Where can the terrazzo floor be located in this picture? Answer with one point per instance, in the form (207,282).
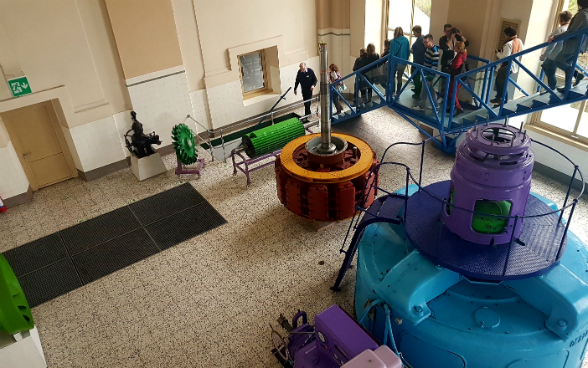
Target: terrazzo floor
(207,302)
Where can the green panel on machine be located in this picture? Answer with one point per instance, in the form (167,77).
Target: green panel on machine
(488,224)
(15,314)
(272,138)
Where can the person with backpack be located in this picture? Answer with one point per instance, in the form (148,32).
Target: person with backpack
(458,66)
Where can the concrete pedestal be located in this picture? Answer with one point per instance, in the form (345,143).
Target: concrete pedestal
(22,350)
(147,167)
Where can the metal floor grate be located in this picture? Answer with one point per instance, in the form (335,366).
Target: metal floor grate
(64,261)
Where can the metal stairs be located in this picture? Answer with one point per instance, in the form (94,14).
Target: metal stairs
(436,107)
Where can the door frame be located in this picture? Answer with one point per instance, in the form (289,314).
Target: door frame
(6,117)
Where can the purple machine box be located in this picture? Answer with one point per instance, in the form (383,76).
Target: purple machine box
(336,340)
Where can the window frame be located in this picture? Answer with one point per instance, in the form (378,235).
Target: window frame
(387,28)
(256,92)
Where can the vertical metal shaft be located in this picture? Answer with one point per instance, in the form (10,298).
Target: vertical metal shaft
(325,100)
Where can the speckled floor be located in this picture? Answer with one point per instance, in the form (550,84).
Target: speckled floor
(207,302)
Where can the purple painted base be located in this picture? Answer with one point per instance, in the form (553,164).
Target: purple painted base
(181,170)
(247,162)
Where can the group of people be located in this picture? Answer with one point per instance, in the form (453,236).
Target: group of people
(450,56)
(561,55)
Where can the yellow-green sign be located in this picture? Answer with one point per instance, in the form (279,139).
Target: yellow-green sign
(19,86)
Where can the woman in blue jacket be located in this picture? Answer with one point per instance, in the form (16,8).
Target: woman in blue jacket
(400,48)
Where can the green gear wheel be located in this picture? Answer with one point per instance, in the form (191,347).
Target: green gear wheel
(184,144)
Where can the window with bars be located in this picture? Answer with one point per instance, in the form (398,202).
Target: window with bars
(253,73)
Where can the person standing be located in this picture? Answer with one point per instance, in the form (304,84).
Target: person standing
(513,45)
(457,67)
(333,77)
(360,62)
(552,50)
(432,62)
(399,48)
(418,57)
(307,80)
(568,51)
(371,75)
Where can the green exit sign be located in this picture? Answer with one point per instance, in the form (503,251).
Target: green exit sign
(19,86)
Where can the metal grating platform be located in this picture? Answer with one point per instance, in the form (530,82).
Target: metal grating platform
(64,261)
(534,253)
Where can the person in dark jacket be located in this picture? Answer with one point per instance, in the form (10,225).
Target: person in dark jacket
(360,62)
(372,75)
(566,56)
(447,44)
(307,80)
(418,56)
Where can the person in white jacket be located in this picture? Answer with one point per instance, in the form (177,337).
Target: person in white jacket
(552,50)
(514,45)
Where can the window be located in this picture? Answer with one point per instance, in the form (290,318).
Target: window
(407,14)
(253,74)
(569,121)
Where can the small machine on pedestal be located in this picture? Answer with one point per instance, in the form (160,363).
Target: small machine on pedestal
(320,175)
(145,162)
(336,340)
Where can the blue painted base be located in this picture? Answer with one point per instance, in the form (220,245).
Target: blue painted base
(441,319)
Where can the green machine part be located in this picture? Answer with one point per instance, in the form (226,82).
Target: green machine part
(487,224)
(184,144)
(272,138)
(15,314)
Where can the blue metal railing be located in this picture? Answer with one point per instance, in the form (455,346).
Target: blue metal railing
(439,84)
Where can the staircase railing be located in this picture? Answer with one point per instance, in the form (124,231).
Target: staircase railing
(378,78)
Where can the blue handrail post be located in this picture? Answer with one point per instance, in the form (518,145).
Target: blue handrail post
(331,90)
(445,97)
(490,84)
(390,77)
(541,77)
(505,92)
(453,97)
(357,93)
(483,97)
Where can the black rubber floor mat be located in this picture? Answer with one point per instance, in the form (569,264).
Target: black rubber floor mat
(61,262)
(185,225)
(162,205)
(114,255)
(98,230)
(50,282)
(35,255)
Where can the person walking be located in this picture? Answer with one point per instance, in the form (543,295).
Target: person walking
(307,80)
(457,67)
(399,48)
(553,50)
(333,77)
(371,75)
(447,44)
(360,62)
(432,62)
(418,57)
(566,56)
(513,45)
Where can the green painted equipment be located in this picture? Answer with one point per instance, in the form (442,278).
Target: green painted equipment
(272,138)
(184,144)
(488,224)
(15,314)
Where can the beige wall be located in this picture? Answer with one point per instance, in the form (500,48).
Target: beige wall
(185,18)
(439,16)
(332,14)
(146,35)
(243,22)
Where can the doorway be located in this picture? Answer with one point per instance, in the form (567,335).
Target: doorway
(40,144)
